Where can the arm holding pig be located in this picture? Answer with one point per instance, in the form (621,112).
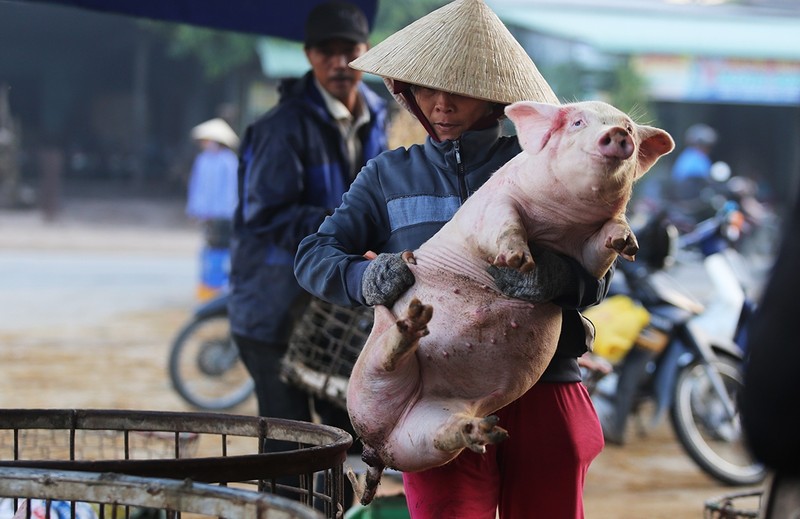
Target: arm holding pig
(562,280)
(565,282)
(333,263)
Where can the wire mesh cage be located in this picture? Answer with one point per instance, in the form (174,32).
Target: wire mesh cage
(304,461)
(45,493)
(324,347)
(738,505)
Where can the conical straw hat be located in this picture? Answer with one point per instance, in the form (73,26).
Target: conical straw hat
(216,130)
(461,48)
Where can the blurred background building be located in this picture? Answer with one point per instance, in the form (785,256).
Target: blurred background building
(116,96)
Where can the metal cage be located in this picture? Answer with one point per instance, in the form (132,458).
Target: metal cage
(203,447)
(28,492)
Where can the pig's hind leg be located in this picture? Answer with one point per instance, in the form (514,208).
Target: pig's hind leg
(387,370)
(432,434)
(405,336)
(470,432)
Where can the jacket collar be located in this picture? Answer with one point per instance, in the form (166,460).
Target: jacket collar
(474,147)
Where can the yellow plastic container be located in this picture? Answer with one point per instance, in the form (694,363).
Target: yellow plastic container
(618,321)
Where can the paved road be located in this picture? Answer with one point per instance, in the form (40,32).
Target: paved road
(45,288)
(97,260)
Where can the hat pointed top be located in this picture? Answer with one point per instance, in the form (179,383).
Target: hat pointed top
(462,48)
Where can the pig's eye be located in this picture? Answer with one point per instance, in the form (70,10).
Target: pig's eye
(578,123)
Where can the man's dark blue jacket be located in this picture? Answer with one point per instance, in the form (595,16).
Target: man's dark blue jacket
(293,170)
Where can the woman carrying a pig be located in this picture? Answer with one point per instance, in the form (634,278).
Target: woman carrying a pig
(455,69)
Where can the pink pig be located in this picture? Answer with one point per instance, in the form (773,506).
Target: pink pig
(426,382)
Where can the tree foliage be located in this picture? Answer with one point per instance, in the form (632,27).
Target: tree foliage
(219,52)
(628,91)
(620,85)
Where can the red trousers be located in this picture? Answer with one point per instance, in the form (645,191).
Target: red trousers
(538,472)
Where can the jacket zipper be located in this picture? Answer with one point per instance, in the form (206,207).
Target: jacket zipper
(462,181)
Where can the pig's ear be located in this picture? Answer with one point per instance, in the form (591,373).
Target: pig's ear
(655,143)
(533,122)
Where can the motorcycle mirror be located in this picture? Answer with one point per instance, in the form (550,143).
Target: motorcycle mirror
(720,171)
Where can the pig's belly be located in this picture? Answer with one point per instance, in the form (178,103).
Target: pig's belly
(483,347)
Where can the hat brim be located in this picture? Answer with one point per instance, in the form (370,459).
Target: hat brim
(462,48)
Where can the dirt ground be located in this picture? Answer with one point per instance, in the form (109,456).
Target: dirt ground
(117,359)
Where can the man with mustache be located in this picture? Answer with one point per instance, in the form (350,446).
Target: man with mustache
(295,162)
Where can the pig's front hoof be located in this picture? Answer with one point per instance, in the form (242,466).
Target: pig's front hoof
(625,245)
(513,250)
(519,260)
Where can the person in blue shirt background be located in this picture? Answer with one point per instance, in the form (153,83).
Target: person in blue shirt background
(691,176)
(694,162)
(212,198)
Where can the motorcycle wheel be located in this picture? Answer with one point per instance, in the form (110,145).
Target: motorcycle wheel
(713,441)
(205,367)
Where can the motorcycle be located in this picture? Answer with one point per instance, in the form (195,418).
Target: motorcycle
(204,364)
(676,362)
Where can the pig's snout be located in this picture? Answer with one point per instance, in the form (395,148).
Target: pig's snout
(616,143)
